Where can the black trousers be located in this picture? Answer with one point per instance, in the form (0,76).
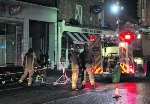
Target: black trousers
(82,69)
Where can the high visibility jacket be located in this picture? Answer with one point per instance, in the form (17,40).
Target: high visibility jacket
(29,61)
(116,74)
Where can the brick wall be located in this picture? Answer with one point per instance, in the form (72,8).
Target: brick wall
(145,45)
(67,11)
(144,14)
(148,13)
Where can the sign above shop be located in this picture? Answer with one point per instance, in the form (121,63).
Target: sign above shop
(92,31)
(79,42)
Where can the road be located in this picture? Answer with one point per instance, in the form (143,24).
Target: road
(133,92)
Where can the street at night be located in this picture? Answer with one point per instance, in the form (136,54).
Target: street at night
(133,92)
(74,51)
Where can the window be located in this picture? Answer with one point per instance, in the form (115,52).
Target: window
(2,29)
(78,13)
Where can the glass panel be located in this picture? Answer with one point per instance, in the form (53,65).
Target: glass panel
(19,36)
(2,43)
(2,50)
(10,44)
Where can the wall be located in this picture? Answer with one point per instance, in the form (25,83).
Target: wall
(53,50)
(148,13)
(67,11)
(36,12)
(143,12)
(145,45)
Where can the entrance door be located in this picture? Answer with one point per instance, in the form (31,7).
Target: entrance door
(39,37)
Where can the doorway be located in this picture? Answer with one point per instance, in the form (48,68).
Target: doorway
(39,36)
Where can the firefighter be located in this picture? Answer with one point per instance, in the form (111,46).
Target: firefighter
(82,65)
(89,60)
(28,63)
(74,58)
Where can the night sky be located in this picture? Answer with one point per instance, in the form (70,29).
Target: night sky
(130,9)
(128,14)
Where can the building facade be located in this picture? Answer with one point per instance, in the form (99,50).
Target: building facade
(77,20)
(16,32)
(144,20)
(63,21)
(82,13)
(143,12)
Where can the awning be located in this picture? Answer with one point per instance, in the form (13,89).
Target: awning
(78,38)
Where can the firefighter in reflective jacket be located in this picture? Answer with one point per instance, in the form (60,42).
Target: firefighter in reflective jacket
(28,63)
(74,58)
(89,60)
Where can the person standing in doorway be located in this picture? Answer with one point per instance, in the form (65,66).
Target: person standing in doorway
(28,63)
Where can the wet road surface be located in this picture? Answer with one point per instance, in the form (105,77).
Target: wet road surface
(134,92)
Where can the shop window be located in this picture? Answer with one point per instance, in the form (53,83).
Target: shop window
(2,29)
(11,43)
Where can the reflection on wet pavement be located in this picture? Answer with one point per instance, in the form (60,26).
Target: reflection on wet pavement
(131,93)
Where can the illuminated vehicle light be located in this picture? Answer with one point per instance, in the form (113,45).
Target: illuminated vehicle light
(127,37)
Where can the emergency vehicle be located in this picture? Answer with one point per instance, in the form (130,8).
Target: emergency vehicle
(123,50)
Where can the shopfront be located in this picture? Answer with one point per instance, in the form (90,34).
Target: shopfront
(15,30)
(10,42)
(74,35)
